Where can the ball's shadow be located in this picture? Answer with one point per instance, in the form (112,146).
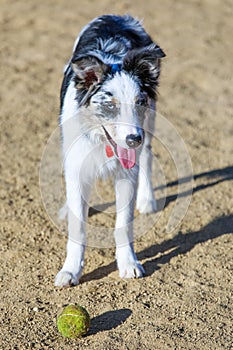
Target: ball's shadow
(108,320)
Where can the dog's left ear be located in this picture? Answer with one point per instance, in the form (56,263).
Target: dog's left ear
(89,71)
(145,65)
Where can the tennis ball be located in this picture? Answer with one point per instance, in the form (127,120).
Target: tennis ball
(73,321)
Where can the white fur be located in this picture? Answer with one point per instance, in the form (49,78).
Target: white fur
(82,160)
(84,142)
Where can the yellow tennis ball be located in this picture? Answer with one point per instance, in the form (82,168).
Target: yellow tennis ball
(73,321)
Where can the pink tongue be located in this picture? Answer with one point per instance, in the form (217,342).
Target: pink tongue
(127,157)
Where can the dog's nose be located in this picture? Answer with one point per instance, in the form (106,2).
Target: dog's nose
(133,140)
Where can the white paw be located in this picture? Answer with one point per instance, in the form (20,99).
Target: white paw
(145,206)
(128,265)
(66,279)
(132,270)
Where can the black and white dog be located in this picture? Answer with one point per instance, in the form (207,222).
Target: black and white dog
(107,121)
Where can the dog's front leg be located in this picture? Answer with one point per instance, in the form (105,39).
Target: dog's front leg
(77,215)
(128,265)
(146,202)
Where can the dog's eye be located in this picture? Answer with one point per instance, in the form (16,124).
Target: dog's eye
(141,101)
(109,109)
(109,105)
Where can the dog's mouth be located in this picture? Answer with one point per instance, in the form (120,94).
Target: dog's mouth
(126,156)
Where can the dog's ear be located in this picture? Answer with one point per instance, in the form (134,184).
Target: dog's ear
(89,71)
(145,65)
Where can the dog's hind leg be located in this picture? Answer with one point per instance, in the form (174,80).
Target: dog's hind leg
(146,202)
(128,265)
(77,215)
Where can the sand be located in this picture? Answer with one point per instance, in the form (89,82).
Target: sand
(185,300)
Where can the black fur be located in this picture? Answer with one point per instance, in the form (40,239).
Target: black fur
(68,74)
(119,28)
(144,63)
(109,42)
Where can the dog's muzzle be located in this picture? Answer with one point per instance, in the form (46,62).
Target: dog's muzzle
(126,156)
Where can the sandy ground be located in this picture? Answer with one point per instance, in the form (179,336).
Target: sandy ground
(185,301)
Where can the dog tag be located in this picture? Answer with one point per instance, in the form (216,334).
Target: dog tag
(109,151)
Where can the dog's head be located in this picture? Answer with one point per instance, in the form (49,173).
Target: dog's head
(118,95)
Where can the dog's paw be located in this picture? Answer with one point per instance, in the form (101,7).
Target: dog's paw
(146,206)
(128,265)
(66,279)
(132,270)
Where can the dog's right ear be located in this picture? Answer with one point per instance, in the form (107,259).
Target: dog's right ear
(89,71)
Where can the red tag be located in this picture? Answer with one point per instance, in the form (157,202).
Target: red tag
(109,151)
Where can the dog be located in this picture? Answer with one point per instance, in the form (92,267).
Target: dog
(107,112)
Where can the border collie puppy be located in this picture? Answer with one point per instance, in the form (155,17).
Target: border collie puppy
(107,120)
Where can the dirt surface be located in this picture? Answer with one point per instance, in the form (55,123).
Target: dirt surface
(185,301)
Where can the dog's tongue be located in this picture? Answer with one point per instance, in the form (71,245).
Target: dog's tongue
(127,157)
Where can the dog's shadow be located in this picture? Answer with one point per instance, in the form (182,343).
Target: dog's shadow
(108,320)
(212,177)
(181,243)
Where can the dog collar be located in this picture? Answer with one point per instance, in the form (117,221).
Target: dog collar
(109,151)
(116,67)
